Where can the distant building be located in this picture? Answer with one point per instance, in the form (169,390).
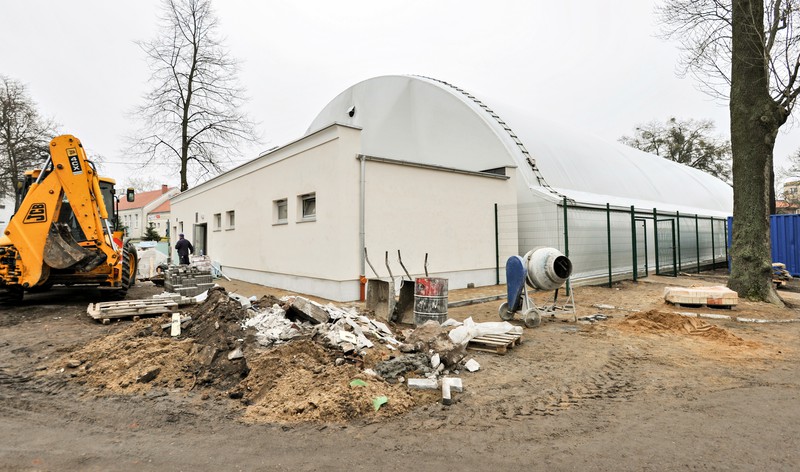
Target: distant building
(148,207)
(6,210)
(791,199)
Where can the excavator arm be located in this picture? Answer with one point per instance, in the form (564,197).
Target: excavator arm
(36,235)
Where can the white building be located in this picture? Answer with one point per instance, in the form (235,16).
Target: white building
(417,165)
(148,207)
(6,210)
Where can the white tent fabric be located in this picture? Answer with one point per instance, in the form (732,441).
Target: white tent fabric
(425,120)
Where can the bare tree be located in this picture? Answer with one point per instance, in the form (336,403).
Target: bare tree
(746,51)
(689,142)
(192,116)
(24,134)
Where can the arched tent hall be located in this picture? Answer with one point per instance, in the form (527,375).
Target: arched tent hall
(426,120)
(413,164)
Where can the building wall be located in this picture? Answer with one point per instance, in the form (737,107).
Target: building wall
(160,222)
(450,216)
(417,210)
(321,253)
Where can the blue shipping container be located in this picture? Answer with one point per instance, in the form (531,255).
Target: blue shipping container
(784,238)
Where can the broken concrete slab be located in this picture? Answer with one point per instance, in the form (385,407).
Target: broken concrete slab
(472,365)
(244,301)
(306,310)
(235,354)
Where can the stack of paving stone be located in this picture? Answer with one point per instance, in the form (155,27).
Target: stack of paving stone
(187,281)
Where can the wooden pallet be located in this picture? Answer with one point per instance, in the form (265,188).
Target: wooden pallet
(106,311)
(495,343)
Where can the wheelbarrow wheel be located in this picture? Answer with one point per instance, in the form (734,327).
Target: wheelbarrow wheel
(532,318)
(505,315)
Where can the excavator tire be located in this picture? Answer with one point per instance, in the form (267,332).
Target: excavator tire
(133,263)
(12,294)
(129,261)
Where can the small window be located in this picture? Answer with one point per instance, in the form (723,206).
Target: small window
(281,211)
(217,221)
(308,206)
(230,219)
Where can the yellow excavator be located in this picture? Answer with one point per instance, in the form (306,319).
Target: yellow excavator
(61,232)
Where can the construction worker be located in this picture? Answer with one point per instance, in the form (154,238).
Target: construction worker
(184,248)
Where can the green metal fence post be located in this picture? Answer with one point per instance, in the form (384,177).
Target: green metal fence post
(566,240)
(727,256)
(713,247)
(678,229)
(633,244)
(655,237)
(608,233)
(566,230)
(697,239)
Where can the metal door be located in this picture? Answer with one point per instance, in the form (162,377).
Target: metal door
(666,247)
(642,267)
(199,242)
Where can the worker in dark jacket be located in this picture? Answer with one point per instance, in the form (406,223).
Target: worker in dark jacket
(184,248)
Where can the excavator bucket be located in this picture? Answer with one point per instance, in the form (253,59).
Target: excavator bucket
(61,251)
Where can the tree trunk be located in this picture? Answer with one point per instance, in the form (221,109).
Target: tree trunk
(755,119)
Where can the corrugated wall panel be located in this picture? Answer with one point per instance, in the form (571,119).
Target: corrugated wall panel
(785,230)
(785,238)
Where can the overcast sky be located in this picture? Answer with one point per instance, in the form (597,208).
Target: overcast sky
(595,65)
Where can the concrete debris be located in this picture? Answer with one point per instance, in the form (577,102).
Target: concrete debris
(393,368)
(370,372)
(593,318)
(272,326)
(235,354)
(307,310)
(450,384)
(176,325)
(435,361)
(451,322)
(472,365)
(74,363)
(432,337)
(604,306)
(424,384)
(244,301)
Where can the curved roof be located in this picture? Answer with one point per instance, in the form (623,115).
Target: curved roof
(426,120)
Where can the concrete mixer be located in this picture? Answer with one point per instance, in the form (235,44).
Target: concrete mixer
(543,268)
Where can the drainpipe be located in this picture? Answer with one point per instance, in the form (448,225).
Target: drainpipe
(361,231)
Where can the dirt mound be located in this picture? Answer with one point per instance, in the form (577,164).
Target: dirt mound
(654,321)
(299,382)
(131,361)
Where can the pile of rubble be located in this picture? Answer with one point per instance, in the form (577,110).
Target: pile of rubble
(285,360)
